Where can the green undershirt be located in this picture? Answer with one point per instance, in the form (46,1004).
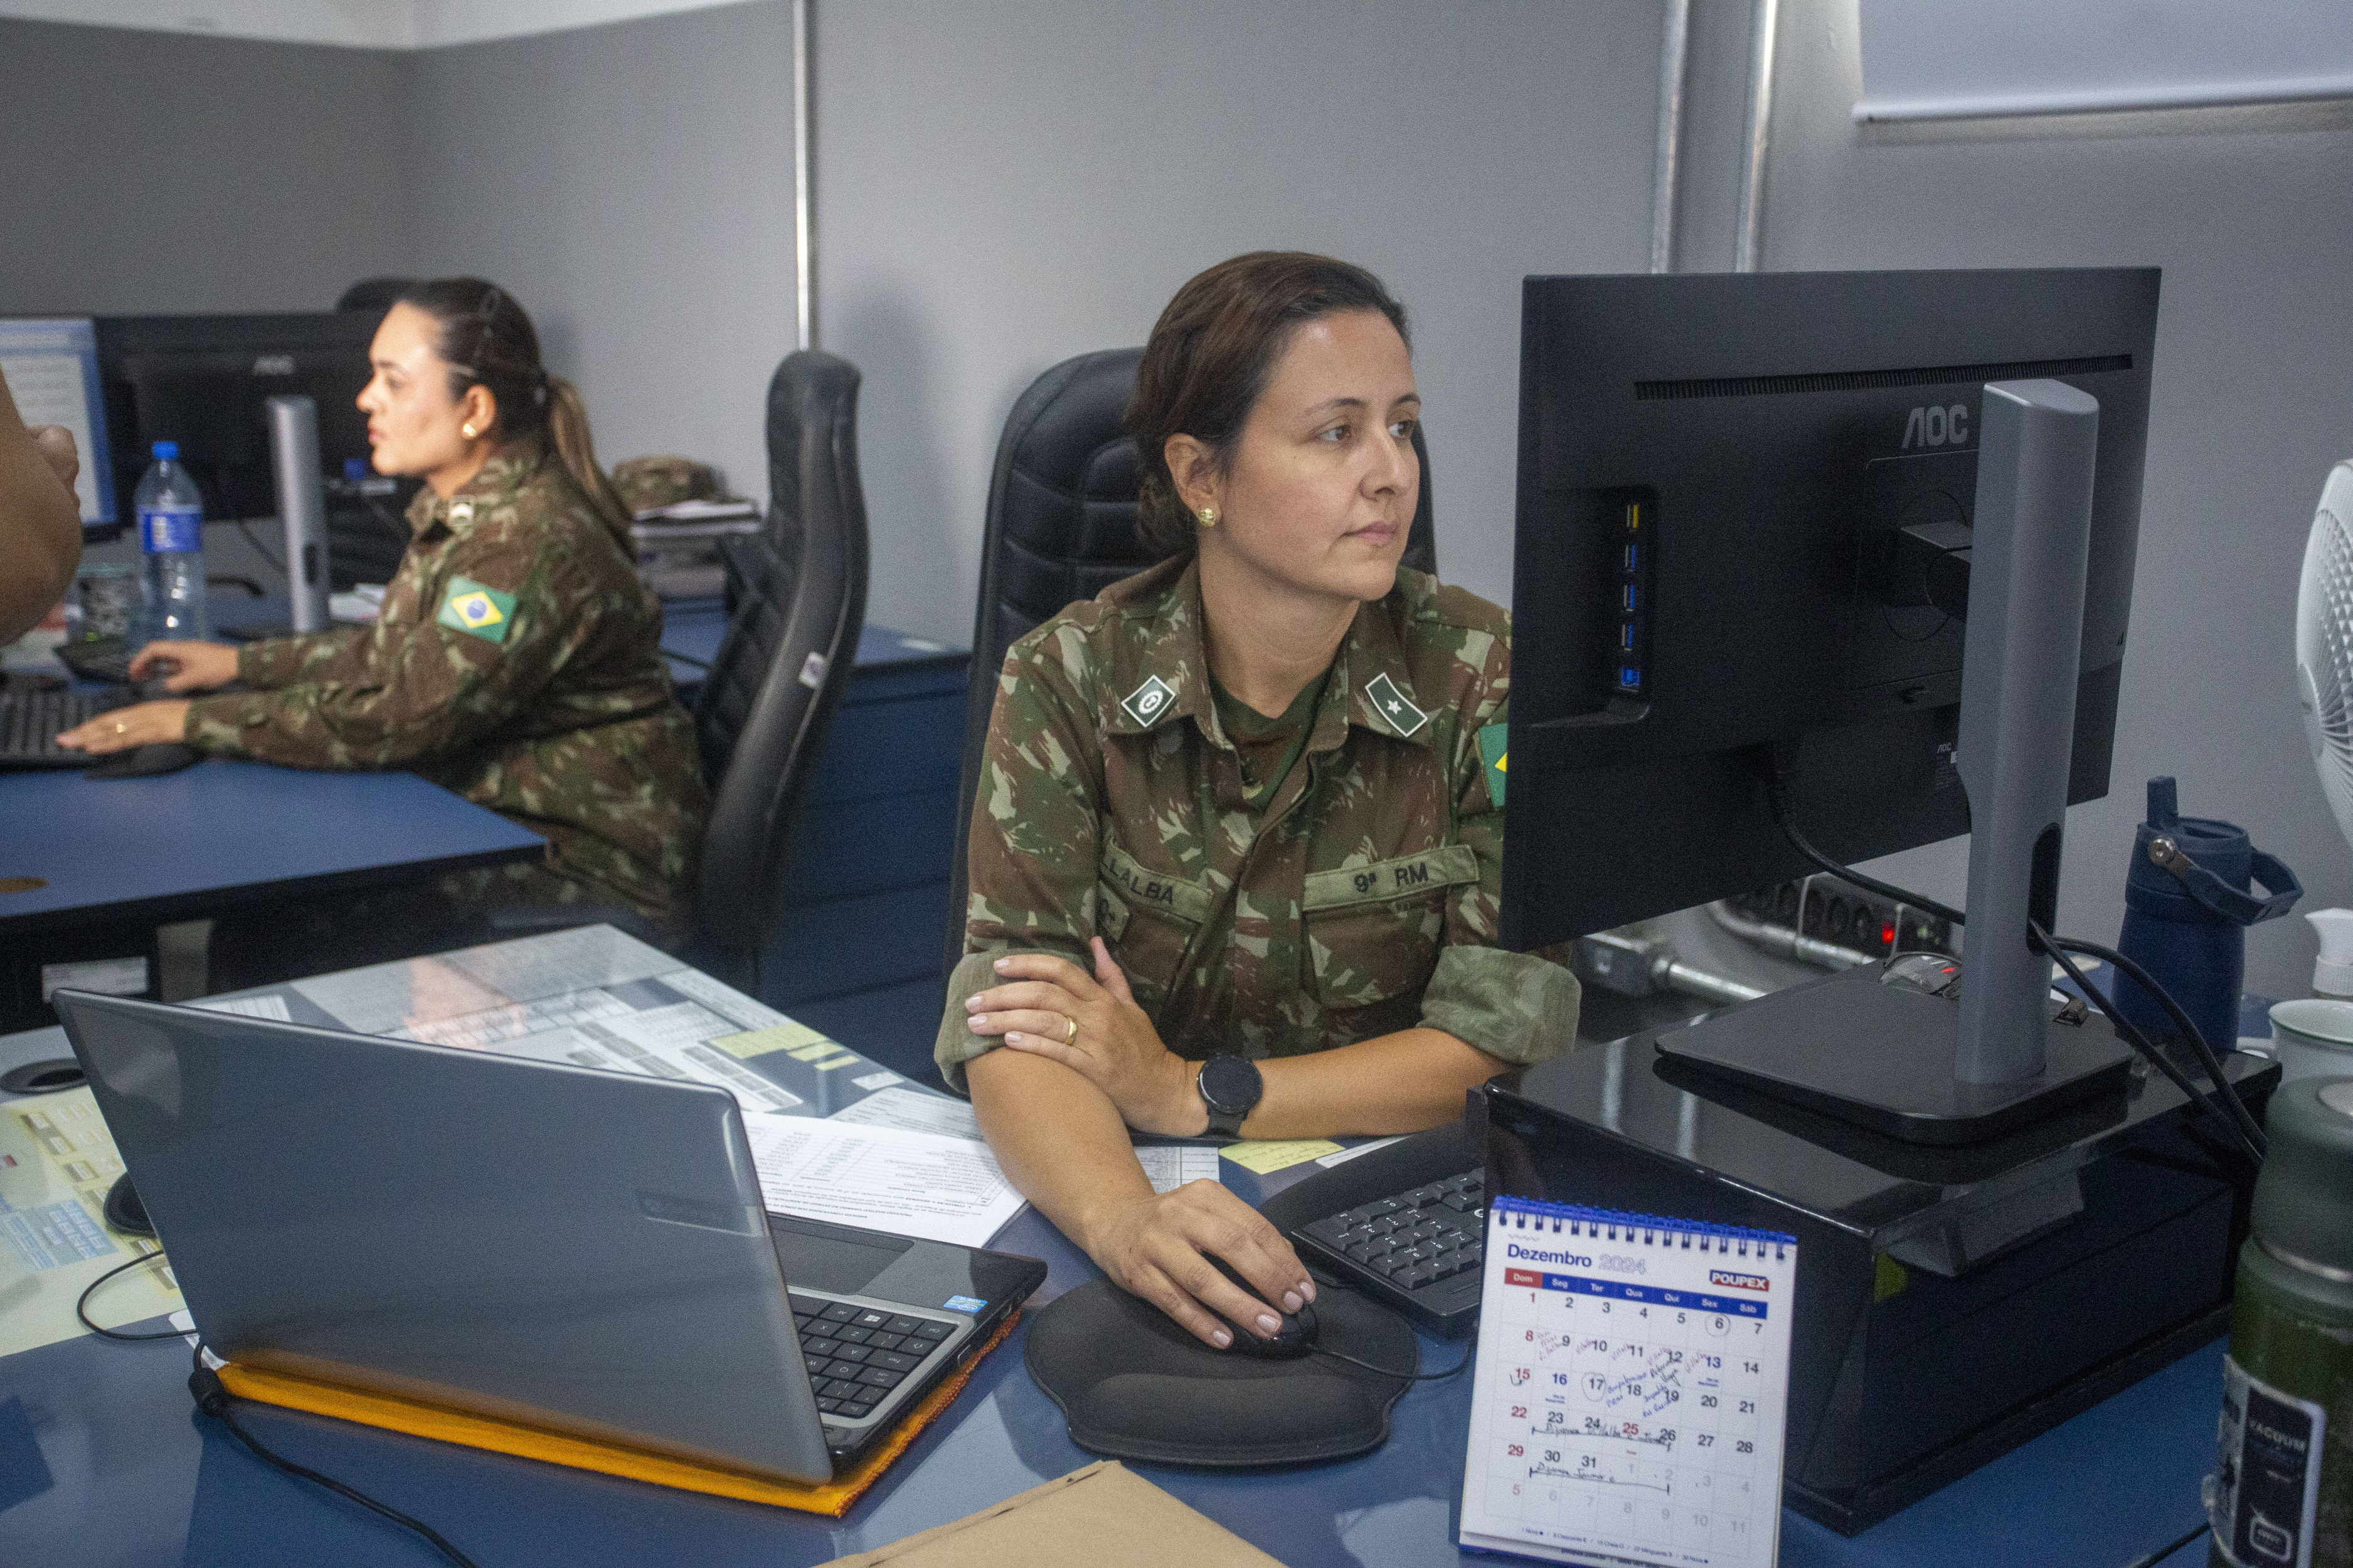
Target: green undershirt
(1269,748)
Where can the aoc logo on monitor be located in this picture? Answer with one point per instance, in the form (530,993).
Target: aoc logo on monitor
(1937,428)
(1737,1281)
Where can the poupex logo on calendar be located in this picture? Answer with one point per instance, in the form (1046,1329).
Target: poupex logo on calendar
(1737,1281)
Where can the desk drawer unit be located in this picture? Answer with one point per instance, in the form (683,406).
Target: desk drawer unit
(865,893)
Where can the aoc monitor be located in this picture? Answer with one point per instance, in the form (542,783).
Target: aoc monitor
(206,382)
(1716,474)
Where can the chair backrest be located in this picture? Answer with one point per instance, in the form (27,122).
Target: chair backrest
(1061,526)
(790,651)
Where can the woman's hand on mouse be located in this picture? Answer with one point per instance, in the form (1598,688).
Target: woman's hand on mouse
(1114,1046)
(194,666)
(119,729)
(1154,1247)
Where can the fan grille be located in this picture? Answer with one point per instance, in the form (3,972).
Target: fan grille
(2331,670)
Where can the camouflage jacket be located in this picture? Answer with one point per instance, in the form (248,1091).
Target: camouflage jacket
(516,663)
(1361,900)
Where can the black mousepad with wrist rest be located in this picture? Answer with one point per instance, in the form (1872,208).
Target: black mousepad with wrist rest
(1134,1385)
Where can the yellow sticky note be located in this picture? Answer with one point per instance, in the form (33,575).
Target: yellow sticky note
(1270,1154)
(785,1037)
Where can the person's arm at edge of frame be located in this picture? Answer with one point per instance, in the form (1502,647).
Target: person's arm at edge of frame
(40,521)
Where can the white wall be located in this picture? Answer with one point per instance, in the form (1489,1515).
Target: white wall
(1003,184)
(632,185)
(2247,213)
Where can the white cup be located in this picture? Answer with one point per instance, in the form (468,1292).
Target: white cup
(2313,1037)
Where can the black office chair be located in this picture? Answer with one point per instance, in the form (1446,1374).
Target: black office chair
(799,596)
(799,591)
(1061,526)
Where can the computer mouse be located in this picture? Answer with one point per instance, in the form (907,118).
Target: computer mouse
(1295,1339)
(144,762)
(125,1212)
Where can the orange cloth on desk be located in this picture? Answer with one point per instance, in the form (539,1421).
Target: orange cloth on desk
(832,1498)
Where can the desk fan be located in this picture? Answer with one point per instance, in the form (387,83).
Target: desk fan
(2324,644)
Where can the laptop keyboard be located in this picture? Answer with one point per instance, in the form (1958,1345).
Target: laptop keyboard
(858,1356)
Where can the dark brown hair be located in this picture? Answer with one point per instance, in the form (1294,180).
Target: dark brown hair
(1210,354)
(489,342)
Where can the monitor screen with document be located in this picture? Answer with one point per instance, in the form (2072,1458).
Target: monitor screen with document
(51,364)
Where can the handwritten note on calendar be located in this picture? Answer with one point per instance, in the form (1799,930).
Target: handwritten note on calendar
(1631,1386)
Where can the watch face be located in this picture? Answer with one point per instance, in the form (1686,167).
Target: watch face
(1231,1084)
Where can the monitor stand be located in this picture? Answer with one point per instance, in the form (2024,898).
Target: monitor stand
(1925,1069)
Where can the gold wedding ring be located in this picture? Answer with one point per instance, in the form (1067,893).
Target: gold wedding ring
(1071,1030)
(121,728)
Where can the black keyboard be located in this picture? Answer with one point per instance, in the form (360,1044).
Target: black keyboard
(1420,1251)
(30,722)
(857,1356)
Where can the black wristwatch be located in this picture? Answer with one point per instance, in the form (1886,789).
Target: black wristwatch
(1230,1088)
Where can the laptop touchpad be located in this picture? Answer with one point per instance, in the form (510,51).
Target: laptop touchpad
(829,1256)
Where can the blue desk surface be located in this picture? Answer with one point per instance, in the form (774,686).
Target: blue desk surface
(694,627)
(195,839)
(107,1463)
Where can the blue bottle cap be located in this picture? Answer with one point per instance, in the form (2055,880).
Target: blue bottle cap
(166,451)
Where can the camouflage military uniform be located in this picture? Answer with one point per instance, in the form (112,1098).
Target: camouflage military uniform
(516,663)
(1361,900)
(645,483)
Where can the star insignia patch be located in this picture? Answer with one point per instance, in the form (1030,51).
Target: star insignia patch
(1149,701)
(1392,705)
(469,607)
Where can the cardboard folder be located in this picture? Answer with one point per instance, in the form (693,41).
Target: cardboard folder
(1104,1513)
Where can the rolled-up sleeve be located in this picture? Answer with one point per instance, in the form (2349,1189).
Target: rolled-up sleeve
(1032,854)
(1515,1006)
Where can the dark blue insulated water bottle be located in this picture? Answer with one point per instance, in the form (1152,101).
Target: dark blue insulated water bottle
(2189,900)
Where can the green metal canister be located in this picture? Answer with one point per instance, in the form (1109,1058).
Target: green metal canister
(2282,1494)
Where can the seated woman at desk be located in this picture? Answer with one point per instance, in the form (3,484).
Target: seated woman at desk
(516,661)
(1233,809)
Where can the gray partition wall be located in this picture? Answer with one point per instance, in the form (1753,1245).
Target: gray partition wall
(1001,184)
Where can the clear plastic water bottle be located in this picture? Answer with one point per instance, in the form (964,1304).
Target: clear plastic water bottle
(172,549)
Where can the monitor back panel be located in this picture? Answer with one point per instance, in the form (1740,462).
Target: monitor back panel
(579,1250)
(1758,436)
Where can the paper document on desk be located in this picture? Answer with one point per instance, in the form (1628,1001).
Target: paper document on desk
(883,1178)
(1168,1166)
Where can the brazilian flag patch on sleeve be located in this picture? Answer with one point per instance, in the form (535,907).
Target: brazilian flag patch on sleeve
(1491,741)
(478,611)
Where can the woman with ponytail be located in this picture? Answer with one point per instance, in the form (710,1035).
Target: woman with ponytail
(516,661)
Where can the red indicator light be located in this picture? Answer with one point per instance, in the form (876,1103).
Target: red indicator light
(1887,934)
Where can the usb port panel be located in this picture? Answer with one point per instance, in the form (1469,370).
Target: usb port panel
(1627,673)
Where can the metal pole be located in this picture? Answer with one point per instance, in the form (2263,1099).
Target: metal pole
(1762,23)
(1674,51)
(804,231)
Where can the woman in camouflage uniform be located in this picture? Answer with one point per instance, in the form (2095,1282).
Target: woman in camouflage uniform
(516,661)
(1234,811)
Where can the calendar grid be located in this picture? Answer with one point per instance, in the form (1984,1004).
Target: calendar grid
(1630,1391)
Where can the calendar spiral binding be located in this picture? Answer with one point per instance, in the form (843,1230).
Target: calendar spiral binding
(1652,1230)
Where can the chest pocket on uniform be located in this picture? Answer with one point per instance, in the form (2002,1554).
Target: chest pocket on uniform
(1147,918)
(1373,932)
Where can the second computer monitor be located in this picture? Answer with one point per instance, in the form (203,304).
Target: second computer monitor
(206,381)
(1713,471)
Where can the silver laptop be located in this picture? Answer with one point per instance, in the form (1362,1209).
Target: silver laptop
(581,1251)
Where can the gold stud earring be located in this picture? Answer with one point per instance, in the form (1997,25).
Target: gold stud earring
(467,431)
(1208,516)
